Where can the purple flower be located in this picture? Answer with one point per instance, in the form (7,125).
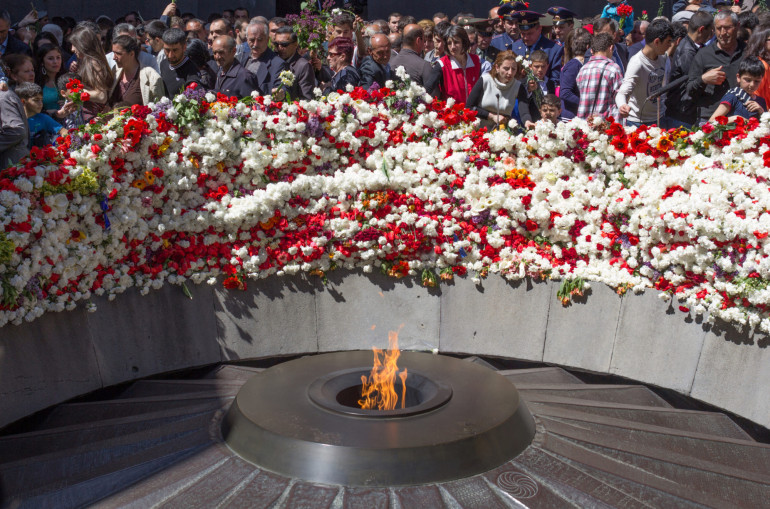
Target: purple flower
(313,127)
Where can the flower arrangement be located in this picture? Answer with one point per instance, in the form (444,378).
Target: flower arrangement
(75,92)
(209,189)
(310,24)
(624,11)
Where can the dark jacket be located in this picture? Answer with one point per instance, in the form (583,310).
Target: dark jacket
(304,77)
(707,97)
(534,110)
(679,104)
(266,68)
(348,75)
(175,80)
(16,46)
(569,91)
(372,72)
(237,81)
(418,69)
(14,129)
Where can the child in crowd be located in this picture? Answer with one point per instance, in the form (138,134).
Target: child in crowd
(550,108)
(539,67)
(742,100)
(615,9)
(43,130)
(73,119)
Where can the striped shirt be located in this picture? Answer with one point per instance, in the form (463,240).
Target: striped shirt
(598,81)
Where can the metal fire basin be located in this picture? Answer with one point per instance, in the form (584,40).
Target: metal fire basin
(460,419)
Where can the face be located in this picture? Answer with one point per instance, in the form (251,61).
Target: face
(506,71)
(438,20)
(229,16)
(455,47)
(257,41)
(473,39)
(216,29)
(636,35)
(561,31)
(174,52)
(223,55)
(52,62)
(439,45)
(195,31)
(428,43)
(550,113)
(273,27)
(122,57)
(25,73)
(130,19)
(241,15)
(497,23)
(749,83)
(34,104)
(284,47)
(662,46)
(530,37)
(539,69)
(393,24)
(726,31)
(336,59)
(380,49)
(342,31)
(511,27)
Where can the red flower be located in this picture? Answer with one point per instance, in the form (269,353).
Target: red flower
(85,96)
(531,226)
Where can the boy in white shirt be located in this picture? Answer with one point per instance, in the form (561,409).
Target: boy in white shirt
(645,75)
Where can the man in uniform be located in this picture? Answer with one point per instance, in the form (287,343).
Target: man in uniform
(563,23)
(532,39)
(511,34)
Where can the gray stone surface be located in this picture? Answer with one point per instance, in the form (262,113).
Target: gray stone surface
(656,343)
(733,373)
(495,317)
(581,334)
(136,336)
(274,316)
(45,362)
(356,313)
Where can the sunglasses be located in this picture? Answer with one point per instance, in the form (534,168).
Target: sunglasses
(333,54)
(284,44)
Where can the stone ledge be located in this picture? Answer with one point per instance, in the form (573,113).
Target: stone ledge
(639,337)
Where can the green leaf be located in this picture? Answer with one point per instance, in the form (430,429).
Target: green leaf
(186,291)
(384,169)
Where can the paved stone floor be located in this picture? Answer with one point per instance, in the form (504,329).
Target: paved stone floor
(157,443)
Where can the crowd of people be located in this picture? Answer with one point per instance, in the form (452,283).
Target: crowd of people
(511,63)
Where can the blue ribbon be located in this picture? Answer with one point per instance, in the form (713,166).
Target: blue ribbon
(105,208)
(462,252)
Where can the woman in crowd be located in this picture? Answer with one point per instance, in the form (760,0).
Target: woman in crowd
(759,46)
(49,68)
(457,71)
(495,94)
(578,41)
(134,84)
(95,74)
(21,68)
(340,56)
(439,43)
(427,27)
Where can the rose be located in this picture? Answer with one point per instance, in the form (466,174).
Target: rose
(85,97)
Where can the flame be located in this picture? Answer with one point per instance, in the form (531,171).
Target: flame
(378,389)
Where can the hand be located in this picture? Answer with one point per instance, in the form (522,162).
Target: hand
(74,66)
(4,86)
(359,24)
(754,107)
(69,107)
(624,110)
(531,86)
(714,76)
(529,124)
(29,19)
(170,9)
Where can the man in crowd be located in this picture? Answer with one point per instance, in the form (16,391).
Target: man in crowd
(304,76)
(232,78)
(563,23)
(393,20)
(485,50)
(494,19)
(263,62)
(242,14)
(273,25)
(510,35)
(679,104)
(714,69)
(375,68)
(176,70)
(412,46)
(145,59)
(196,30)
(599,80)
(10,45)
(644,77)
(533,40)
(217,28)
(154,30)
(620,50)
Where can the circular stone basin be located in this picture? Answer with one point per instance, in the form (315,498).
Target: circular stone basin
(300,419)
